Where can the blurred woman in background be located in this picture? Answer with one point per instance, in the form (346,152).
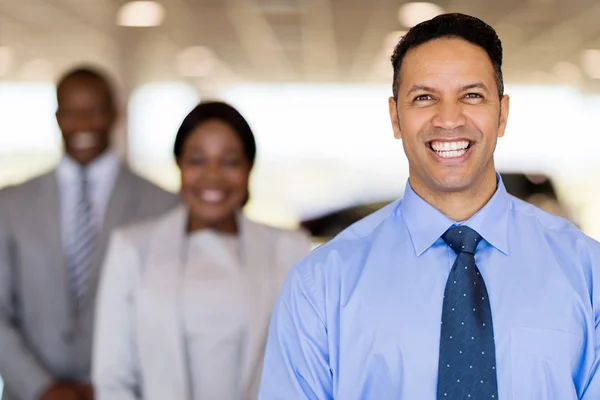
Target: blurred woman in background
(185,300)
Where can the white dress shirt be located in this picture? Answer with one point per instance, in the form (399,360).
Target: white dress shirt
(215,315)
(101,174)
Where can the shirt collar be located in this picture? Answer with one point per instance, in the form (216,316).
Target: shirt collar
(426,224)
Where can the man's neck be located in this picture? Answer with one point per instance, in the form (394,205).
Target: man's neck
(459,205)
(88,162)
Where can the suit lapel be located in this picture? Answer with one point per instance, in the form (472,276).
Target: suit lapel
(123,197)
(47,218)
(160,305)
(257,251)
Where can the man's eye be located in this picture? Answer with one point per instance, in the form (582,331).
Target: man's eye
(473,96)
(423,97)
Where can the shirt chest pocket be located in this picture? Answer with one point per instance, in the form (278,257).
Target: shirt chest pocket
(542,362)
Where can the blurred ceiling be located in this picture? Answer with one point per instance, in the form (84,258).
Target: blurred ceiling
(283,40)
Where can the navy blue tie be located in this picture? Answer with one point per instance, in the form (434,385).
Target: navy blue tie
(467,363)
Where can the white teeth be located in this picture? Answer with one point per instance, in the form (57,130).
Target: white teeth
(212,196)
(451,154)
(449,146)
(83,140)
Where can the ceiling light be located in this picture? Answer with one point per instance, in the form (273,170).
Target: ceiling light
(411,14)
(141,14)
(280,7)
(7,59)
(590,60)
(197,61)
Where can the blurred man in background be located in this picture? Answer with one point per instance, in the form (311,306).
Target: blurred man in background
(53,233)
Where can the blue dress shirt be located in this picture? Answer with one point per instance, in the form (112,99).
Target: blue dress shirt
(360,317)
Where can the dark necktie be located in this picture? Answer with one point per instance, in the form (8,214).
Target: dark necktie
(467,364)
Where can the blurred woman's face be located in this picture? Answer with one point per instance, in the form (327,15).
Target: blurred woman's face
(214,176)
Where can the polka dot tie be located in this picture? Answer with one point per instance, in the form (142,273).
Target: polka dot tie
(467,363)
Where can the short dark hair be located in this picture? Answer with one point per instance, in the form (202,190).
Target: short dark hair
(455,25)
(89,73)
(223,112)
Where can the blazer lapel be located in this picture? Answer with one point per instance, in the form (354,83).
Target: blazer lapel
(160,308)
(257,254)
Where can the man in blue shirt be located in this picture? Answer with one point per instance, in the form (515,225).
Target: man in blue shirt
(459,290)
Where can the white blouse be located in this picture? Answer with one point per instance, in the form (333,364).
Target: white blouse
(215,315)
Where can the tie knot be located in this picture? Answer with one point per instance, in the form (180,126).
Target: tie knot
(462,239)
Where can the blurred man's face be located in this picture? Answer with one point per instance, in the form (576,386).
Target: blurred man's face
(449,115)
(85,116)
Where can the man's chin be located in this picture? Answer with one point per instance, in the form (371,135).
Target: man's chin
(459,181)
(85,156)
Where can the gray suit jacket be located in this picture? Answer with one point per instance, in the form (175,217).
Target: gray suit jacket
(41,338)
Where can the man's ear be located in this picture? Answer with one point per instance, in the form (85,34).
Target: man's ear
(504,108)
(393,109)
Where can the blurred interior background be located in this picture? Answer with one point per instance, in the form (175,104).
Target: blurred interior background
(313,78)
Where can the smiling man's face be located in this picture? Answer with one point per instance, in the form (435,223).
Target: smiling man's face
(449,115)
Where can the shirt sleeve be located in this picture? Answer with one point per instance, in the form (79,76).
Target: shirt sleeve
(296,362)
(592,388)
(592,391)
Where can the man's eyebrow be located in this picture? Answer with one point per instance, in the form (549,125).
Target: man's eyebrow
(424,88)
(478,85)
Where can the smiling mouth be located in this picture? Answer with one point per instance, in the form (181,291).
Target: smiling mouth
(211,195)
(450,149)
(83,140)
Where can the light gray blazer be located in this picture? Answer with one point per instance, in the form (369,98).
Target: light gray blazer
(41,338)
(139,349)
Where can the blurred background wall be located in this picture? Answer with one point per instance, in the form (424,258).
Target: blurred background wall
(313,78)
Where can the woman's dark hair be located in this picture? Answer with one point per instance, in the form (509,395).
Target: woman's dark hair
(216,110)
